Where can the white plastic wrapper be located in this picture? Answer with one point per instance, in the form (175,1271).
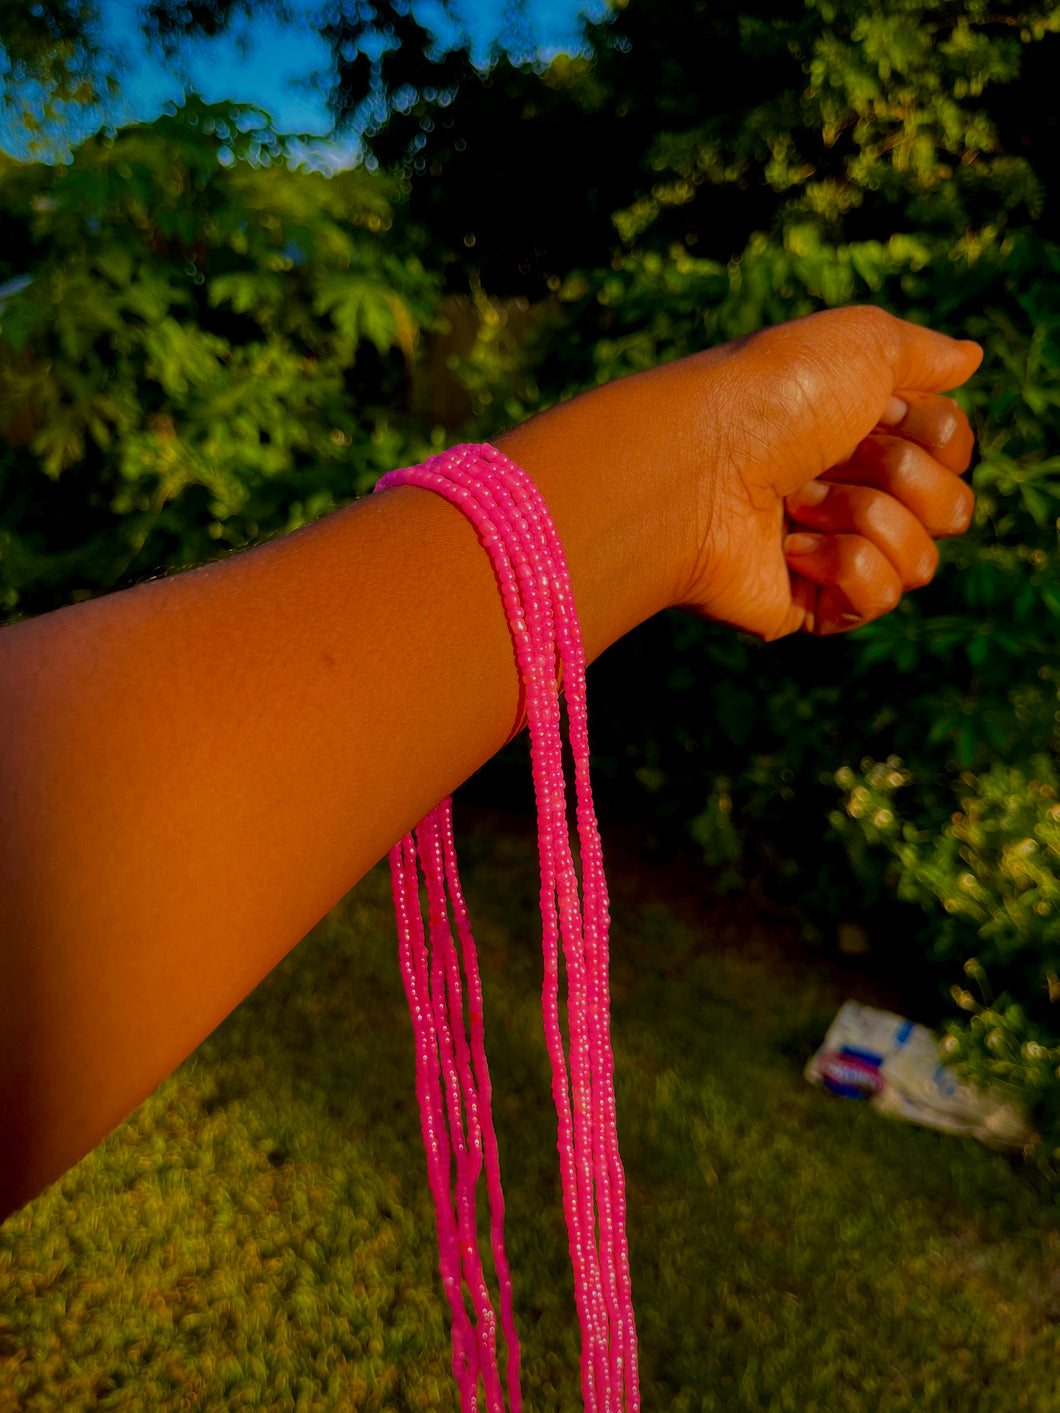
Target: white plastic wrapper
(896,1066)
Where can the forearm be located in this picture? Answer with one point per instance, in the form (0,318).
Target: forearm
(193,771)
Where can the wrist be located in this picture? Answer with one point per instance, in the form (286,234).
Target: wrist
(610,465)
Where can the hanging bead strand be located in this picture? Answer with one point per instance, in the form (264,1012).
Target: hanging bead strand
(522,518)
(461,1090)
(519,498)
(412,952)
(508,536)
(453,1084)
(482,1082)
(597,912)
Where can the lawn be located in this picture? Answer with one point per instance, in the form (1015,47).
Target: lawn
(259,1233)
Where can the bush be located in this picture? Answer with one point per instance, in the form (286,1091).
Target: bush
(212,347)
(737,744)
(988,878)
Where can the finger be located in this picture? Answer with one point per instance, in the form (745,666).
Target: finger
(831,375)
(874,515)
(941,501)
(938,425)
(857,581)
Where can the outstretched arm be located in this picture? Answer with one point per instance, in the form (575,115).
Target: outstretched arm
(193,771)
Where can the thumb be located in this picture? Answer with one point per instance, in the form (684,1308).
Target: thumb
(923,360)
(847,364)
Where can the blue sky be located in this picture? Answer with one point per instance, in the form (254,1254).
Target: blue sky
(272,73)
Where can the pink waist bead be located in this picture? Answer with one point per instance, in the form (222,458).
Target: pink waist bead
(452,1078)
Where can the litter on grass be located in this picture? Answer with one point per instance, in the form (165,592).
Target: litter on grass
(896,1066)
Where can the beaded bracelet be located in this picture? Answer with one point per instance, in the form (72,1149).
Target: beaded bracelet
(452,1078)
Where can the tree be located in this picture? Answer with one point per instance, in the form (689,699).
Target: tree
(695,123)
(56,62)
(384,58)
(211,347)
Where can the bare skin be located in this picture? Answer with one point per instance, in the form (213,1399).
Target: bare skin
(193,771)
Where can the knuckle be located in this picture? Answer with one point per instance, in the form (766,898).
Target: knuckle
(949,420)
(890,592)
(864,560)
(963,510)
(873,326)
(925,568)
(905,460)
(871,567)
(864,327)
(871,316)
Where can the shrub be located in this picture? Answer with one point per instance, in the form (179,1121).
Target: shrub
(212,347)
(988,879)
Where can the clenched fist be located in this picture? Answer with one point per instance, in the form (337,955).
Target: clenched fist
(793,479)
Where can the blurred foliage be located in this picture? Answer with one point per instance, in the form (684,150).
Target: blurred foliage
(382,52)
(260,1233)
(988,879)
(385,56)
(213,347)
(695,123)
(52,58)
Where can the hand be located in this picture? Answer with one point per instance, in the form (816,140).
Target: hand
(839,467)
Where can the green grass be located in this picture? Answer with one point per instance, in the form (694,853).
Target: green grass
(259,1233)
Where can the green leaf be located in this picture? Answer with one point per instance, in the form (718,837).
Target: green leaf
(1038,505)
(116,263)
(247,291)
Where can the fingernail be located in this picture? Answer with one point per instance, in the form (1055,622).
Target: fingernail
(801,544)
(893,413)
(811,494)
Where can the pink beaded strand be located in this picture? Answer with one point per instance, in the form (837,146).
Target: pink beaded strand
(536,649)
(448,1007)
(560,886)
(453,1085)
(412,951)
(611,1205)
(611,1177)
(482,1080)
